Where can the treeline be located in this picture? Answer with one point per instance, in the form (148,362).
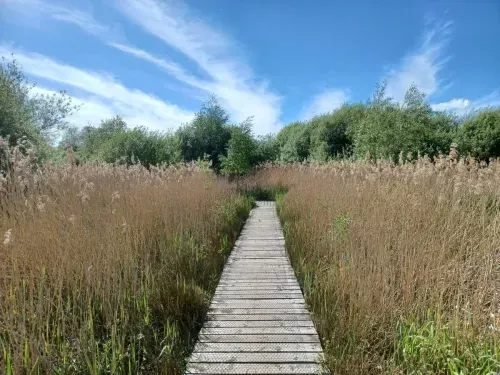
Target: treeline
(378,128)
(384,129)
(209,138)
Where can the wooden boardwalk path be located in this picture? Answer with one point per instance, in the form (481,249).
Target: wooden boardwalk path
(258,322)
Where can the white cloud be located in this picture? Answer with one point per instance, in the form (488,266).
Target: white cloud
(325,102)
(104,96)
(462,106)
(231,80)
(453,104)
(421,67)
(81,19)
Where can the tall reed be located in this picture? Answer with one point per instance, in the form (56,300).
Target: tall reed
(400,263)
(107,269)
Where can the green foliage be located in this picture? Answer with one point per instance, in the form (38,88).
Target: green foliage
(16,118)
(113,142)
(430,348)
(479,135)
(207,134)
(330,135)
(240,150)
(267,149)
(294,142)
(410,127)
(24,114)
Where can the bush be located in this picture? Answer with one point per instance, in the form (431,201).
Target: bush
(479,135)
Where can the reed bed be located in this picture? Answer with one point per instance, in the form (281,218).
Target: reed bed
(107,269)
(399,263)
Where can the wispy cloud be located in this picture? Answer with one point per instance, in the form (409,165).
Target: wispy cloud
(103,94)
(422,66)
(462,106)
(327,101)
(230,78)
(78,18)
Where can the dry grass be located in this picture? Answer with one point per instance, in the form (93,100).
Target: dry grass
(400,264)
(109,270)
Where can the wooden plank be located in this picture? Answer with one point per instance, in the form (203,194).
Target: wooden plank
(258,254)
(253,368)
(263,288)
(259,317)
(258,267)
(258,331)
(259,275)
(267,280)
(233,260)
(223,296)
(257,304)
(257,323)
(257,285)
(259,338)
(247,311)
(259,347)
(256,357)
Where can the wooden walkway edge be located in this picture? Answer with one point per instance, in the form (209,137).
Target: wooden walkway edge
(258,322)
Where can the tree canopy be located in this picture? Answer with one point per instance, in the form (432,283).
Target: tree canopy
(379,127)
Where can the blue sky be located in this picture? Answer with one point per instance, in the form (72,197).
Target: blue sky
(155,61)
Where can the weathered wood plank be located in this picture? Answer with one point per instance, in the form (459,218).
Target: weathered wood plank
(259,281)
(223,296)
(257,323)
(222,347)
(259,288)
(258,304)
(258,317)
(247,311)
(259,338)
(256,357)
(253,368)
(258,331)
(257,285)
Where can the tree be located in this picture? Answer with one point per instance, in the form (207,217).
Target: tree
(267,149)
(16,116)
(25,114)
(294,141)
(330,133)
(240,150)
(72,136)
(409,127)
(96,141)
(207,134)
(479,135)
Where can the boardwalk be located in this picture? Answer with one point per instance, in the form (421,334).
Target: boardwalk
(258,322)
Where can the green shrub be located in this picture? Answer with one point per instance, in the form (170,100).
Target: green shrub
(479,135)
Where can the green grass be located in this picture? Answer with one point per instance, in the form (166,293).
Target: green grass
(427,346)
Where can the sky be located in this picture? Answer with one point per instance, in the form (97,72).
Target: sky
(154,62)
